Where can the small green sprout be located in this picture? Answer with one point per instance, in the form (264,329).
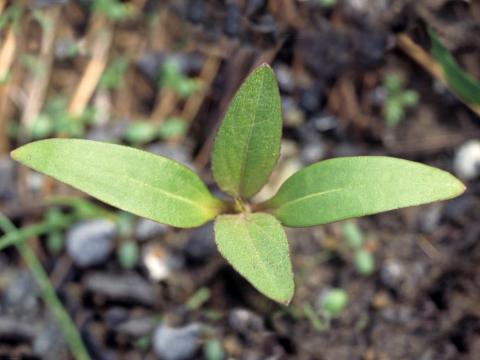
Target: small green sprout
(171,77)
(248,234)
(56,120)
(364,262)
(213,350)
(327,3)
(114,10)
(334,302)
(362,258)
(397,100)
(128,254)
(11,16)
(142,132)
(32,64)
(113,76)
(172,128)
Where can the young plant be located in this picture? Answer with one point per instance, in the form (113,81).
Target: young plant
(398,99)
(249,235)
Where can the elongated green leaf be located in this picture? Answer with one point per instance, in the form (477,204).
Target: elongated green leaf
(257,247)
(343,188)
(460,82)
(248,142)
(132,180)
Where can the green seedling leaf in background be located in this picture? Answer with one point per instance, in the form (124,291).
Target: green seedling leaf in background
(247,145)
(257,247)
(245,151)
(348,187)
(462,83)
(136,181)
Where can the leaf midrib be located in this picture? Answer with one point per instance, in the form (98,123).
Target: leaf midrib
(166,193)
(252,124)
(309,196)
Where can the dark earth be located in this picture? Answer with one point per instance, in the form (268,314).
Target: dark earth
(180,299)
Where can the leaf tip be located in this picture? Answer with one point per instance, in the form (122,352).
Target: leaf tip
(18,154)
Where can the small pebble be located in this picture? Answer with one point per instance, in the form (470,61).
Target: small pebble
(148,229)
(128,287)
(245,321)
(201,244)
(49,342)
(11,329)
(159,262)
(136,327)
(89,243)
(7,179)
(285,79)
(176,343)
(312,151)
(467,160)
(293,116)
(20,298)
(392,273)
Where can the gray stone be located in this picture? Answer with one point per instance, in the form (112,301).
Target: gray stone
(312,152)
(467,160)
(201,243)
(136,327)
(176,343)
(14,330)
(90,243)
(49,342)
(7,179)
(21,297)
(245,321)
(122,287)
(147,229)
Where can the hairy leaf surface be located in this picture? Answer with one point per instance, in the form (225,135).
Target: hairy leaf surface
(343,188)
(132,180)
(248,142)
(256,246)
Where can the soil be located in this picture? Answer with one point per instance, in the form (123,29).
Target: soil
(422,300)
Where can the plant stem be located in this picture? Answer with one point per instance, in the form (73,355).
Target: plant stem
(47,291)
(15,236)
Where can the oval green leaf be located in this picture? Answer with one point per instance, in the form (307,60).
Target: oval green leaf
(247,145)
(136,181)
(257,247)
(348,187)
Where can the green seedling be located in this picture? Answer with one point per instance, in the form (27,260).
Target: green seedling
(327,3)
(113,76)
(55,120)
(362,258)
(248,234)
(128,254)
(142,132)
(460,82)
(213,350)
(11,16)
(171,77)
(398,99)
(32,64)
(114,10)
(334,302)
